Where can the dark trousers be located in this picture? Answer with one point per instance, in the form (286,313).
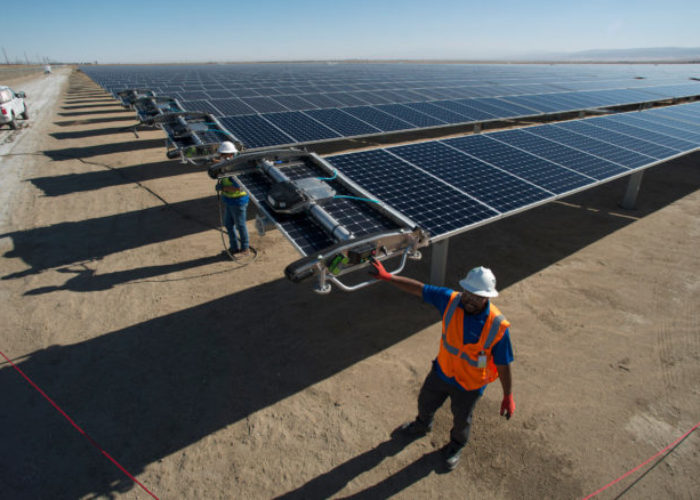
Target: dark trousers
(434,392)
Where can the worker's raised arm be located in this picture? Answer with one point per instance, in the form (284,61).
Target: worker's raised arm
(409,285)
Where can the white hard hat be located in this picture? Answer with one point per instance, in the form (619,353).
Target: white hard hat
(227,147)
(480,281)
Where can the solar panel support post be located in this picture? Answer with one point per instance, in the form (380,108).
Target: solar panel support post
(438,262)
(629,202)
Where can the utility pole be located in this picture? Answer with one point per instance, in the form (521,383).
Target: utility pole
(6,58)
(26,58)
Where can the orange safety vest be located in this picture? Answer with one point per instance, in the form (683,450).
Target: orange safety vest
(461,361)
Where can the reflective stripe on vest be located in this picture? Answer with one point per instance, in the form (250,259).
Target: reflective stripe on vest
(454,353)
(227,182)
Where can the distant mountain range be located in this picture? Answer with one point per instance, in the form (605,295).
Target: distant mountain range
(652,54)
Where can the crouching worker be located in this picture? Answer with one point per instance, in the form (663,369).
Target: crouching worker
(235,206)
(474,351)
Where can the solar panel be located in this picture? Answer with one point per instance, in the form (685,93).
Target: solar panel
(340,121)
(232,106)
(610,132)
(586,164)
(672,121)
(255,131)
(446,115)
(300,126)
(409,115)
(610,152)
(554,178)
(378,119)
(412,95)
(657,128)
(434,205)
(490,185)
(264,104)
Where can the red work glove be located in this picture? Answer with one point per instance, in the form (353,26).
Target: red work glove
(508,406)
(379,272)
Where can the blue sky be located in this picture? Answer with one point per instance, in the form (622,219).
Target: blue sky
(262,30)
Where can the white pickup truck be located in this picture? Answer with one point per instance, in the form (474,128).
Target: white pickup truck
(12,106)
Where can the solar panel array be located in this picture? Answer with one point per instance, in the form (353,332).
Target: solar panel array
(452,185)
(283,104)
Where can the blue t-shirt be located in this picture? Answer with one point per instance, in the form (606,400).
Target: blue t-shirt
(502,351)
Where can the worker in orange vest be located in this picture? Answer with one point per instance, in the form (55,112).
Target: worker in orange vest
(475,350)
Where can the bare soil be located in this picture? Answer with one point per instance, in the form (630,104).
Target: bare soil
(208,379)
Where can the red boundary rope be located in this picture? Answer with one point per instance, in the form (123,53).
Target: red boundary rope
(643,463)
(87,436)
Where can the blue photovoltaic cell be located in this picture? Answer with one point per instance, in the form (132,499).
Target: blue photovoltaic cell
(370,97)
(287,91)
(232,106)
(655,127)
(448,116)
(193,96)
(492,186)
(542,173)
(345,124)
(659,135)
(219,94)
(621,156)
(500,108)
(634,143)
(294,102)
(685,113)
(586,164)
(672,118)
(469,113)
(410,115)
(301,127)
(321,100)
(264,104)
(346,99)
(202,105)
(255,131)
(378,118)
(691,131)
(430,203)
(243,92)
(540,103)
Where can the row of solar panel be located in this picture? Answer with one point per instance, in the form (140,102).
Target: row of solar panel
(415,91)
(448,186)
(273,127)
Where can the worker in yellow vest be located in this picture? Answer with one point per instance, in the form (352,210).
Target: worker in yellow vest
(235,206)
(475,350)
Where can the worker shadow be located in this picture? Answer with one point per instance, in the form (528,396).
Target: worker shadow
(87,280)
(69,243)
(327,485)
(96,100)
(82,134)
(93,105)
(93,121)
(149,390)
(121,109)
(103,149)
(60,185)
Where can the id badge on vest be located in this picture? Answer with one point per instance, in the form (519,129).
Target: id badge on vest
(481,360)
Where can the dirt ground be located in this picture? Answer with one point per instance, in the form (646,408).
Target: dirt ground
(213,379)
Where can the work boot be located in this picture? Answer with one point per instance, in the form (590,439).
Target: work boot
(414,429)
(451,453)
